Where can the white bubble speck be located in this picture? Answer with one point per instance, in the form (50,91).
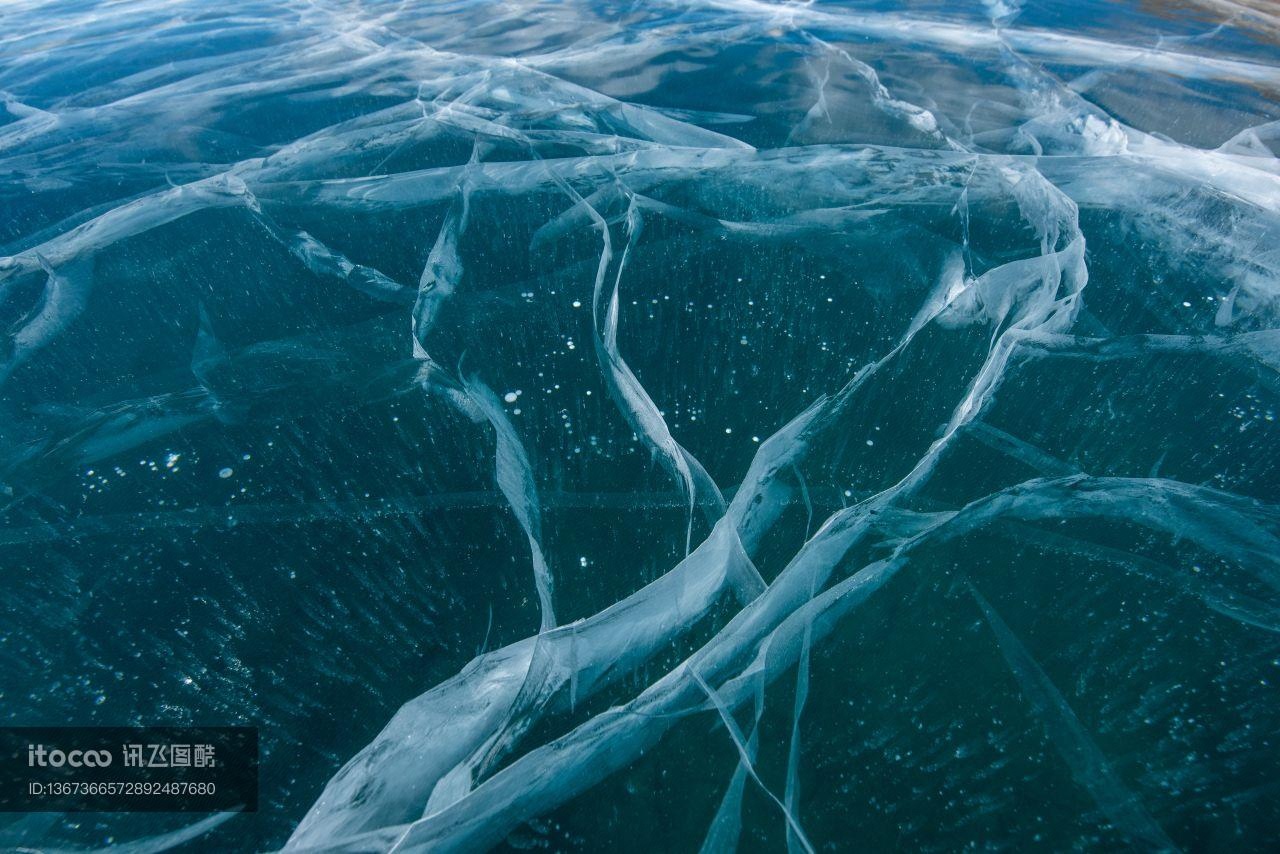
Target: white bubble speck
(225,473)
(510,397)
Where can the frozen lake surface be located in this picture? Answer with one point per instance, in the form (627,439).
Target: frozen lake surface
(660,426)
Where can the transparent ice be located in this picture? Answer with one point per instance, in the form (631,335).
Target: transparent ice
(693,427)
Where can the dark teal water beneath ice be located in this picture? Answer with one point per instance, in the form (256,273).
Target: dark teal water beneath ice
(651,427)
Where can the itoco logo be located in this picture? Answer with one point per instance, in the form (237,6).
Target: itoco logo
(38,754)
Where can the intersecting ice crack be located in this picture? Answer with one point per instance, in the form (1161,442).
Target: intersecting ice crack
(465,149)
